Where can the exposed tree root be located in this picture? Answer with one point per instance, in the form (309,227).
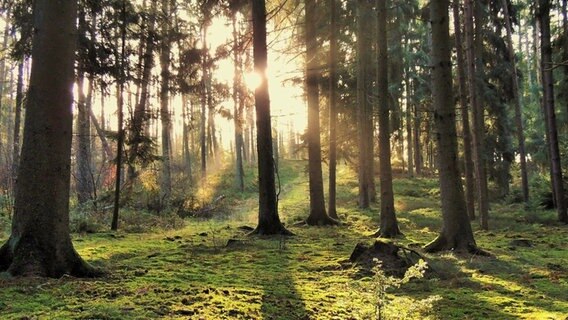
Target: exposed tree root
(26,259)
(270,231)
(388,233)
(322,220)
(441,243)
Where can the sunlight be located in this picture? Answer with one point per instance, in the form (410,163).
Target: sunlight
(253,80)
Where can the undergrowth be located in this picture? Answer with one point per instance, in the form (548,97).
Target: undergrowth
(210,268)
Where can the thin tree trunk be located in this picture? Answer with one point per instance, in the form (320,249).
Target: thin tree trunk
(3,63)
(268,219)
(238,117)
(462,81)
(185,137)
(140,118)
(334,32)
(204,84)
(548,92)
(165,179)
(17,120)
(417,138)
(318,215)
(120,120)
(388,222)
(478,128)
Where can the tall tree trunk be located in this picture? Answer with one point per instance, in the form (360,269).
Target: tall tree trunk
(186,116)
(409,103)
(141,114)
(543,16)
(478,127)
(165,179)
(456,231)
(388,222)
(237,110)
(318,215)
(417,138)
(83,125)
(121,74)
(363,109)
(462,81)
(3,63)
(333,52)
(17,120)
(203,118)
(268,219)
(40,243)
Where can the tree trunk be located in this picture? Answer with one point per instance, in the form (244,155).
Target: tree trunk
(318,215)
(518,105)
(186,115)
(40,243)
(165,179)
(478,127)
(140,111)
(333,34)
(237,110)
(83,136)
(121,63)
(417,138)
(543,16)
(3,62)
(388,222)
(203,123)
(268,219)
(467,152)
(456,231)
(363,113)
(17,122)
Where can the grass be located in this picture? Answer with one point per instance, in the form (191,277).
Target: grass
(191,273)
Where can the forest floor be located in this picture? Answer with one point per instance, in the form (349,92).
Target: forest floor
(191,273)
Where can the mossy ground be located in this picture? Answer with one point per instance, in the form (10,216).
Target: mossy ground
(190,273)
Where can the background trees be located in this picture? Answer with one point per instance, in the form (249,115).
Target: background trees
(181,75)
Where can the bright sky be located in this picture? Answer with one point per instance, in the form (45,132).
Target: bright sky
(288,108)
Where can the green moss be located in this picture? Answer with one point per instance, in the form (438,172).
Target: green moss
(190,273)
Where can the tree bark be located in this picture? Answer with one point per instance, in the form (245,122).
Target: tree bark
(462,81)
(140,116)
(456,231)
(17,122)
(121,74)
(543,15)
(333,34)
(388,222)
(318,215)
(268,219)
(364,129)
(237,110)
(40,242)
(165,60)
(478,127)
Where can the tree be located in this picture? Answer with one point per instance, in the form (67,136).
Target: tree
(473,69)
(333,52)
(40,242)
(543,15)
(462,82)
(165,60)
(364,114)
(517,102)
(268,219)
(389,225)
(456,231)
(318,215)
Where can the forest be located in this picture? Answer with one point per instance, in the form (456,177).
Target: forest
(283,159)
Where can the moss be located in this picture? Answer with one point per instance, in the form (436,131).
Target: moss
(190,273)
